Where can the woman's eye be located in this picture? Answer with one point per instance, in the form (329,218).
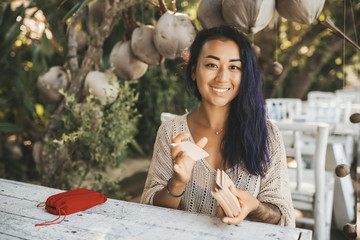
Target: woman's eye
(211,65)
(235,68)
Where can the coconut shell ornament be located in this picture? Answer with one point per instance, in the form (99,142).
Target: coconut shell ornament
(301,11)
(143,47)
(209,13)
(277,68)
(342,170)
(103,86)
(355,118)
(249,16)
(127,65)
(174,33)
(50,82)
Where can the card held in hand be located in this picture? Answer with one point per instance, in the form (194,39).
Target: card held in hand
(194,151)
(221,192)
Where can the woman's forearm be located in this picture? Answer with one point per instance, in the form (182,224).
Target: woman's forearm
(265,212)
(164,199)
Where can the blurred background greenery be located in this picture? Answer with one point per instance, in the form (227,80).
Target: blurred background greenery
(34,38)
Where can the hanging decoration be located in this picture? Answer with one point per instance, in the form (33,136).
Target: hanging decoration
(301,11)
(127,66)
(209,13)
(277,67)
(51,81)
(103,85)
(335,30)
(250,16)
(143,47)
(174,33)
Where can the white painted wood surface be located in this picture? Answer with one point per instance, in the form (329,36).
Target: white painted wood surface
(117,219)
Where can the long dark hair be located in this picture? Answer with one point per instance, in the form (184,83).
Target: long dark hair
(245,140)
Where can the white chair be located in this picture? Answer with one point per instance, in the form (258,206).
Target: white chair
(283,108)
(349,95)
(320,96)
(313,189)
(329,107)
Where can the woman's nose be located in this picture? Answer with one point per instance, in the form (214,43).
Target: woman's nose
(221,75)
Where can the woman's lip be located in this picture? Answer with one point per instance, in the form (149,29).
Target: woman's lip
(221,90)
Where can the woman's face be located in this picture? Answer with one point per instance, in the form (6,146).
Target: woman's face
(218,72)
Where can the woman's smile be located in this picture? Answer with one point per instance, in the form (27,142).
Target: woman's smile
(221,90)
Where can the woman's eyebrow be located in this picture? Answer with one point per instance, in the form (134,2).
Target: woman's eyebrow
(235,60)
(217,58)
(211,56)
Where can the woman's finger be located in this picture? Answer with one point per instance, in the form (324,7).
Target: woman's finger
(235,220)
(237,192)
(180,137)
(176,149)
(202,142)
(176,152)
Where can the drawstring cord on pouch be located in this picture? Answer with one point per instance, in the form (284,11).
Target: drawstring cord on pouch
(42,204)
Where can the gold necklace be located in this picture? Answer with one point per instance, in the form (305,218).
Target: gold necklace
(216,132)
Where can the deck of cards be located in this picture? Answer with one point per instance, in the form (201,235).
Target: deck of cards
(221,192)
(194,152)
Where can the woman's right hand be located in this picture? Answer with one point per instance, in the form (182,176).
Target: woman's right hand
(183,164)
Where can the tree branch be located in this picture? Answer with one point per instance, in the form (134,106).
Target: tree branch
(51,160)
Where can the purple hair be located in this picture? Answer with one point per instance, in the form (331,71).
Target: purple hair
(245,140)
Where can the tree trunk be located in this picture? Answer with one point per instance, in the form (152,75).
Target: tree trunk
(52,161)
(313,66)
(316,62)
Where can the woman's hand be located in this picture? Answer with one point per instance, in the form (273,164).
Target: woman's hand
(251,208)
(183,164)
(248,203)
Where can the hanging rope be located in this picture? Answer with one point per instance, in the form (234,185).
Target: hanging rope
(344,54)
(356,38)
(276,38)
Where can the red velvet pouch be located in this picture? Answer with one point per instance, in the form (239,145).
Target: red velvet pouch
(70,202)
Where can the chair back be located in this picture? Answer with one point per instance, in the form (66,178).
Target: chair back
(349,95)
(327,107)
(283,108)
(311,189)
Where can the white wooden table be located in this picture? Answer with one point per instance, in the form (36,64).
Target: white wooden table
(117,219)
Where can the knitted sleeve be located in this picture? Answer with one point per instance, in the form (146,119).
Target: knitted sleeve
(274,187)
(161,167)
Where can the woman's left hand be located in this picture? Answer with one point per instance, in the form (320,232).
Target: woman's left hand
(248,203)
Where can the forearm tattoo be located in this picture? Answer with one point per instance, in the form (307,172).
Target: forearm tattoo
(266,212)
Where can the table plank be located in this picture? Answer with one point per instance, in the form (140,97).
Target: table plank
(117,219)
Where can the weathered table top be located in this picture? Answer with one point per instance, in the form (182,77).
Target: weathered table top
(117,219)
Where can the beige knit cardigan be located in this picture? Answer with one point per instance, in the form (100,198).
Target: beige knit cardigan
(273,188)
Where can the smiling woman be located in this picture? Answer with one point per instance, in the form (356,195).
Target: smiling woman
(230,126)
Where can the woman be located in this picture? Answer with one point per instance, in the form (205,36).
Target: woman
(230,125)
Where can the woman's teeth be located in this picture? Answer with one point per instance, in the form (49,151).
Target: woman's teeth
(220,90)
